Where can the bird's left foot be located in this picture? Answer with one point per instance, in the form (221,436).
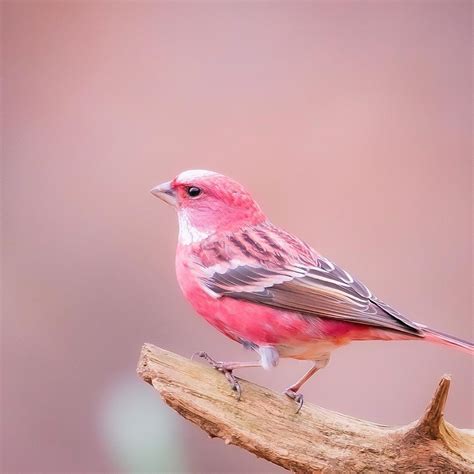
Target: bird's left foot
(221,367)
(297,397)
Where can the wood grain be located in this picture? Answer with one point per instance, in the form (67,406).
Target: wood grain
(265,423)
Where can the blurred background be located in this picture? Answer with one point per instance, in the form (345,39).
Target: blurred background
(350,122)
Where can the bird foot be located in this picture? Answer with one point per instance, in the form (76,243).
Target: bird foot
(221,367)
(297,397)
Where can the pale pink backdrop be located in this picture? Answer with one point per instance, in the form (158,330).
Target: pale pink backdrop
(349,121)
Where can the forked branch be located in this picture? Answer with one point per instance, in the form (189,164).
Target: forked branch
(264,423)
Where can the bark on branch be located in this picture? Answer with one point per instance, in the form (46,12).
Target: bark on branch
(264,423)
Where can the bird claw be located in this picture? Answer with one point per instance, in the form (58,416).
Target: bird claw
(206,357)
(297,397)
(221,367)
(234,384)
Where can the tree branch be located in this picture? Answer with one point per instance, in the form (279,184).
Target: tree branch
(264,423)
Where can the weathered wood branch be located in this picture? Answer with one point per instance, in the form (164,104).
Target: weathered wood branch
(264,423)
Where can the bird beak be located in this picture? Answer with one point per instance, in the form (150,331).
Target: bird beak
(165,193)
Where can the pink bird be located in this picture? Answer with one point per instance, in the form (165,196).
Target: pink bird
(267,289)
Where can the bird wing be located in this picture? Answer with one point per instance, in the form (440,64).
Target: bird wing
(300,281)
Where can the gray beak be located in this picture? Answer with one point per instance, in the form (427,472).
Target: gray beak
(165,193)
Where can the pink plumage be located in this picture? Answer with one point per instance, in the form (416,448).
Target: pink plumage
(267,289)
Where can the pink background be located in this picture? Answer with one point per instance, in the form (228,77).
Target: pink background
(349,121)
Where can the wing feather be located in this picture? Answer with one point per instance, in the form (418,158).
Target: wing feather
(304,282)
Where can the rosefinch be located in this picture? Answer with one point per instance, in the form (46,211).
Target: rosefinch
(267,289)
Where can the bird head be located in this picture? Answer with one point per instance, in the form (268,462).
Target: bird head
(208,202)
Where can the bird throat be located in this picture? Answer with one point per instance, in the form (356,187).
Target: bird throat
(188,234)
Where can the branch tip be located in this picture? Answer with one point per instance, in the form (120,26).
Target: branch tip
(143,369)
(433,418)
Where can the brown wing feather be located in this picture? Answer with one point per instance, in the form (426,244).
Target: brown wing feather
(279,270)
(306,291)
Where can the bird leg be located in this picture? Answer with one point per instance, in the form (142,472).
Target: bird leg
(292,391)
(227,369)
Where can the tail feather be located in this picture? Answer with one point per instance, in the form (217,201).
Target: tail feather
(448,340)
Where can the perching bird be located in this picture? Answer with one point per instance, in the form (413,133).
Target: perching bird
(267,289)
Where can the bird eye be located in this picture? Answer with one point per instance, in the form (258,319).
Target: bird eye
(193,191)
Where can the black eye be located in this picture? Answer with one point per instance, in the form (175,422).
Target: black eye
(193,191)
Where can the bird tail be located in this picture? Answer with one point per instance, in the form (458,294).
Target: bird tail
(447,340)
